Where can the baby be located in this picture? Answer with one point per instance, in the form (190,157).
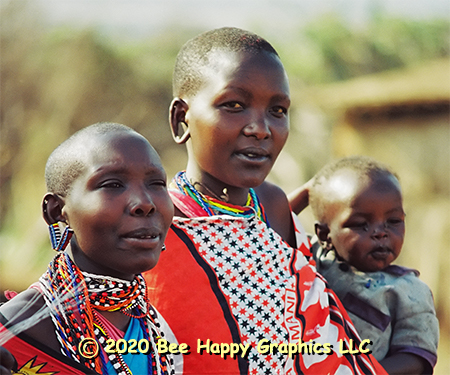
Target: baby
(360,224)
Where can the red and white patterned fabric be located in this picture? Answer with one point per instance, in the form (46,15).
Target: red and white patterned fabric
(234,280)
(34,358)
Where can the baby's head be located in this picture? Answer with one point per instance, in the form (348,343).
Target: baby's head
(107,183)
(357,204)
(231,98)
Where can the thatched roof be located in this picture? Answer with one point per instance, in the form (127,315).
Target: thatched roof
(424,85)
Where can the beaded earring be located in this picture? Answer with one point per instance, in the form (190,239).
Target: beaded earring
(59,243)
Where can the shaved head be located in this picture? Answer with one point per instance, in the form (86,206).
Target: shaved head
(68,160)
(195,55)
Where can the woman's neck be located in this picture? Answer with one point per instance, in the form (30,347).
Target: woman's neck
(116,318)
(215,206)
(214,188)
(87,265)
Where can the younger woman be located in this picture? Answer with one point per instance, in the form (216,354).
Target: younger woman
(237,270)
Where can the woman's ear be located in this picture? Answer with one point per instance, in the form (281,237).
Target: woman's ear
(323,234)
(52,206)
(177,118)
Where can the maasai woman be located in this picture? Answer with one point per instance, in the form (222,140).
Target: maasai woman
(237,282)
(90,313)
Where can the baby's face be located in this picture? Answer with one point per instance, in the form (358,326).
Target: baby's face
(366,220)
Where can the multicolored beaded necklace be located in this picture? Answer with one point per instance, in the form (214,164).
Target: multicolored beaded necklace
(75,316)
(215,206)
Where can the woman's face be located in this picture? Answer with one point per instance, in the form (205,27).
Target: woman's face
(119,207)
(238,120)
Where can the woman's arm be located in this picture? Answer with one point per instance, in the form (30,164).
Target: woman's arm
(276,207)
(25,306)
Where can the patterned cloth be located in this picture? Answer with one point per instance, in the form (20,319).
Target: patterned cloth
(72,304)
(234,280)
(35,358)
(392,307)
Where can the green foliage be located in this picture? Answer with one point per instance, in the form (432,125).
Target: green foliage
(329,50)
(56,81)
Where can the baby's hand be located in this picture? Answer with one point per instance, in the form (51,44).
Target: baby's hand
(8,363)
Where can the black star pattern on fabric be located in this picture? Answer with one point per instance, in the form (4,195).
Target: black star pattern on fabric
(252,268)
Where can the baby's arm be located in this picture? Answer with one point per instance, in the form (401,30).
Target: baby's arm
(413,346)
(404,363)
(299,198)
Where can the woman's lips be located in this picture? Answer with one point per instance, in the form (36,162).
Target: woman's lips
(143,237)
(253,154)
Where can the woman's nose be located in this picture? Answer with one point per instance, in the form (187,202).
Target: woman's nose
(258,127)
(141,204)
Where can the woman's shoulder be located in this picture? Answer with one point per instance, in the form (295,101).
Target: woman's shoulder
(26,313)
(277,209)
(23,305)
(272,197)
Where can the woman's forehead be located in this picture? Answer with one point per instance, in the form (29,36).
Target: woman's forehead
(260,72)
(123,147)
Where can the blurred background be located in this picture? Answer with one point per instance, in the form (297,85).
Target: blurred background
(367,77)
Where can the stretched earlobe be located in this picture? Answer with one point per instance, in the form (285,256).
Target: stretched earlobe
(52,206)
(52,211)
(185,133)
(177,117)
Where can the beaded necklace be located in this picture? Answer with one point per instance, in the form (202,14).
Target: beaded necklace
(75,317)
(215,206)
(110,294)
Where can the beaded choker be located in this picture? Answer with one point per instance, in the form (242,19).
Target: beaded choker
(110,294)
(75,317)
(215,206)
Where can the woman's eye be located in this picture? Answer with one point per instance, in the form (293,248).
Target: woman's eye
(279,111)
(111,185)
(234,105)
(158,183)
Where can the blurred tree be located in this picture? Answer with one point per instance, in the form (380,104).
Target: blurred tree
(328,49)
(56,81)
(19,32)
(395,42)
